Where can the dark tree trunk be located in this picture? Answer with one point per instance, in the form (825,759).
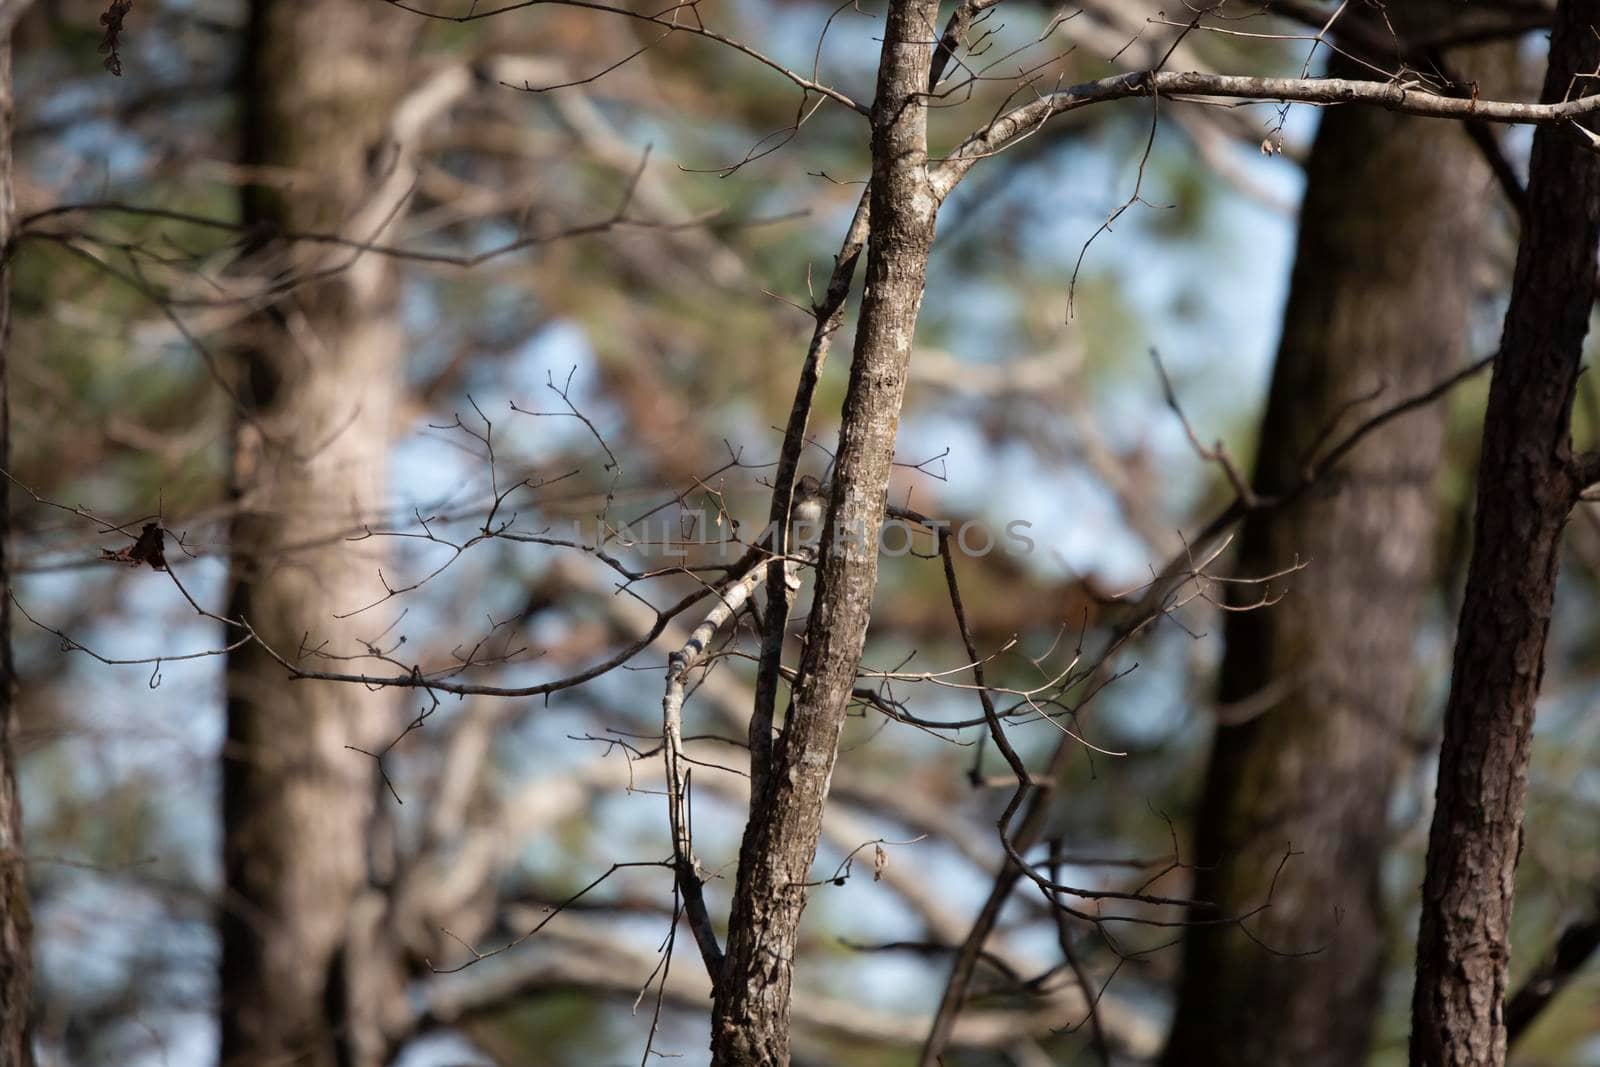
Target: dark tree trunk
(322,375)
(1527,484)
(750,1017)
(1378,304)
(16,925)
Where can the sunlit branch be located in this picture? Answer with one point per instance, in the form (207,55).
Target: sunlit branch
(1392,96)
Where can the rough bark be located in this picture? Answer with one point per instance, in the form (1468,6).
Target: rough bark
(750,1018)
(1378,307)
(1527,483)
(322,371)
(16,925)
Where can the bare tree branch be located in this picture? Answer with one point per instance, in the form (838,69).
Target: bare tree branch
(1394,96)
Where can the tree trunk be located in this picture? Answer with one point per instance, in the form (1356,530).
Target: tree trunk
(750,1016)
(1527,483)
(1379,304)
(322,373)
(16,924)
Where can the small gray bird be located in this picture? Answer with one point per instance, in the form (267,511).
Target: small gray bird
(807,509)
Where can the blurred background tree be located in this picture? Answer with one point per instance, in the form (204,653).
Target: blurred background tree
(1317,716)
(640,215)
